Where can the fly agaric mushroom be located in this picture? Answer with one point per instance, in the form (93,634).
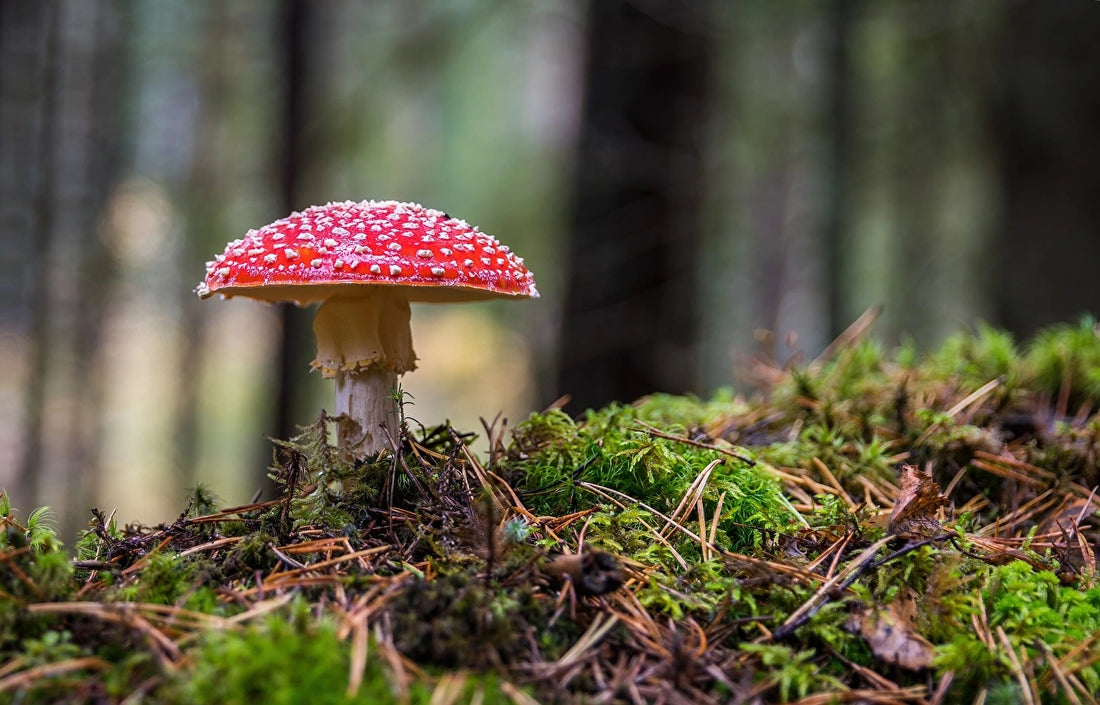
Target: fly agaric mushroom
(365,262)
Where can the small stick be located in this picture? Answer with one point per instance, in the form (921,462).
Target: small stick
(804,613)
(698,444)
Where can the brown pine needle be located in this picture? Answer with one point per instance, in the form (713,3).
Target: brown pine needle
(831,479)
(1017,667)
(22,679)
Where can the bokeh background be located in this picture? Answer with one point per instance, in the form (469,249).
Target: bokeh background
(691,182)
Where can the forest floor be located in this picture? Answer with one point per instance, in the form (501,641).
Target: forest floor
(864,527)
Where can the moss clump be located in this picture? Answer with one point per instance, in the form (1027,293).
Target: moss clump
(753,543)
(33,568)
(1039,618)
(556,464)
(1065,361)
(287,658)
(437,621)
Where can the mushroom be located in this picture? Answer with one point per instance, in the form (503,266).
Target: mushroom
(365,262)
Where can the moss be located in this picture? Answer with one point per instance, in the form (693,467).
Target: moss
(253,552)
(609,458)
(1031,608)
(436,622)
(34,568)
(1066,359)
(975,357)
(280,660)
(445,560)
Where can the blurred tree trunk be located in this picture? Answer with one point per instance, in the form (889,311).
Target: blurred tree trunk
(206,202)
(919,150)
(28,38)
(1045,118)
(838,165)
(295,351)
(630,312)
(73,51)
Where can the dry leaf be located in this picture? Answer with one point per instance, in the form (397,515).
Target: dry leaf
(890,633)
(592,572)
(914,515)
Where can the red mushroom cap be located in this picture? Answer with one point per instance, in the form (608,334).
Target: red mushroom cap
(313,254)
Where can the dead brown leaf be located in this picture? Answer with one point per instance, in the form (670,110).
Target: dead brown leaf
(918,503)
(890,633)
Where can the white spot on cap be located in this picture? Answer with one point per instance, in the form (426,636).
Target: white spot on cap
(271,259)
(316,263)
(376,228)
(438,271)
(394,270)
(223,271)
(332,243)
(426,254)
(409,225)
(337,231)
(394,246)
(486,261)
(323,250)
(256,251)
(290,254)
(278,236)
(360,249)
(445,251)
(468,262)
(305,236)
(338,264)
(375,269)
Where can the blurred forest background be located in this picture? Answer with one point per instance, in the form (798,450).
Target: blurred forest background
(680,176)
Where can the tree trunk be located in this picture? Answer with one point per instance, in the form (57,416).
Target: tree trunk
(28,39)
(295,350)
(1045,120)
(629,315)
(838,166)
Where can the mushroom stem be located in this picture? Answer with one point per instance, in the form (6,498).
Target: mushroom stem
(367,399)
(365,342)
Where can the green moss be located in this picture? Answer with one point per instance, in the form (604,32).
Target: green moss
(251,553)
(438,621)
(1068,355)
(280,660)
(976,357)
(165,579)
(451,572)
(1031,608)
(608,458)
(34,569)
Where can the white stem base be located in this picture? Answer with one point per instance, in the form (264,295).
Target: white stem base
(366,397)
